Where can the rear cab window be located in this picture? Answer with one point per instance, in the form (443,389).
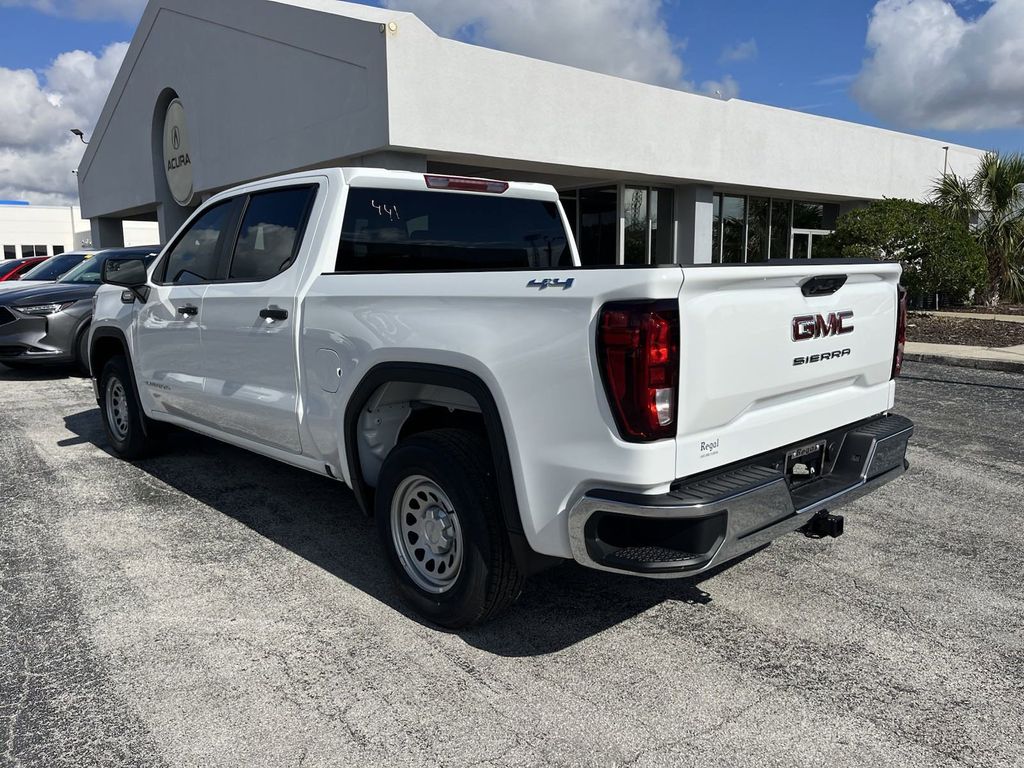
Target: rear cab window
(399,230)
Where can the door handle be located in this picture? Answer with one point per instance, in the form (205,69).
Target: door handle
(274,313)
(189,310)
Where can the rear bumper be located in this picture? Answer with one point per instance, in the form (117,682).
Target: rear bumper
(711,519)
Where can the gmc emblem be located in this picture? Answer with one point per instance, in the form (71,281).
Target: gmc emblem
(819,326)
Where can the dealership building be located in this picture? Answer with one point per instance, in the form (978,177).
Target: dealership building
(214,94)
(47,230)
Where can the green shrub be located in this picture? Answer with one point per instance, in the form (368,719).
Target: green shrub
(937,253)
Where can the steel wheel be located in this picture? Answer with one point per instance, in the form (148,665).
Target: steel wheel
(426,533)
(117,408)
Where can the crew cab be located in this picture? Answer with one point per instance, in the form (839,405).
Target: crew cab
(433,343)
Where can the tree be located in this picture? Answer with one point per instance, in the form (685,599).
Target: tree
(937,253)
(991,204)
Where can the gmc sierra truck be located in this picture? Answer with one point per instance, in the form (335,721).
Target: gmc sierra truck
(433,343)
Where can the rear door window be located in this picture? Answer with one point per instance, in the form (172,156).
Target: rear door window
(397,230)
(271,232)
(195,257)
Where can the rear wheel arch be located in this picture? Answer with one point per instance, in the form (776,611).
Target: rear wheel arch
(485,417)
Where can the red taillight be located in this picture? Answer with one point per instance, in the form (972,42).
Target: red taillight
(638,346)
(901,331)
(465,184)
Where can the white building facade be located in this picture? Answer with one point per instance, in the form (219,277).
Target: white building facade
(47,230)
(214,94)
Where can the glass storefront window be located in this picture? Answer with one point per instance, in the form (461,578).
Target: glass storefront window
(758,209)
(642,209)
(662,209)
(634,211)
(599,225)
(801,245)
(569,203)
(752,229)
(807,215)
(781,210)
(734,215)
(716,231)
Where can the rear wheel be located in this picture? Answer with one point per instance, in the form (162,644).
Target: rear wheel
(440,523)
(127,427)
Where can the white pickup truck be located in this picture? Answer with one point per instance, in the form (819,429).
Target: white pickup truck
(433,343)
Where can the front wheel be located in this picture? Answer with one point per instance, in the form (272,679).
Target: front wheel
(440,522)
(125,423)
(82,352)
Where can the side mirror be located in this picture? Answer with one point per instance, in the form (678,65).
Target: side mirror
(127,273)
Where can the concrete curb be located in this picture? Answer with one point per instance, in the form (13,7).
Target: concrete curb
(1008,366)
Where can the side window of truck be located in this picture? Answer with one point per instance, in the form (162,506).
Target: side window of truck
(271,232)
(194,258)
(400,230)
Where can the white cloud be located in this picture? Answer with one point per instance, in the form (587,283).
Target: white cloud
(626,38)
(740,51)
(726,88)
(37,150)
(932,68)
(83,9)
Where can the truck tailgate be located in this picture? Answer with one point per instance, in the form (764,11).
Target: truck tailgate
(763,365)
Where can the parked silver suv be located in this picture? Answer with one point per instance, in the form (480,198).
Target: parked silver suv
(47,323)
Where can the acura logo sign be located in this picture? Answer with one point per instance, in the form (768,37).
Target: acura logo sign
(177,157)
(807,327)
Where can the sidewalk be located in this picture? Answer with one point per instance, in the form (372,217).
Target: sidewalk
(990,358)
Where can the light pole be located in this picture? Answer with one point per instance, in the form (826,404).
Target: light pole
(79,134)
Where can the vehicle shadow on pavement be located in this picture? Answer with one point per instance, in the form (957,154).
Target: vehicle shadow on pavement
(318,519)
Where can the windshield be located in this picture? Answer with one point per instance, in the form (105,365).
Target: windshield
(54,267)
(7,267)
(89,271)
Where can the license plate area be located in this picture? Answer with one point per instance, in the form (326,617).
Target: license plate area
(805,464)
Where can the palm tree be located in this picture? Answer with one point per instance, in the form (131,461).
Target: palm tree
(991,203)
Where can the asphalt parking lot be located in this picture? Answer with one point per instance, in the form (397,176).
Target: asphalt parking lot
(213,608)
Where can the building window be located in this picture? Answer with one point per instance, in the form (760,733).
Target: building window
(663,203)
(734,218)
(716,229)
(752,229)
(637,221)
(598,225)
(782,218)
(759,211)
(571,203)
(642,209)
(10,252)
(58,250)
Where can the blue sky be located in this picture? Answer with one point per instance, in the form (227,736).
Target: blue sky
(948,69)
(807,53)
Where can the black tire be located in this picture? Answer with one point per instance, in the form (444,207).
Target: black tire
(129,431)
(459,463)
(82,352)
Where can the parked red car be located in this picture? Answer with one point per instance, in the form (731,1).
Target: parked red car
(13,269)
